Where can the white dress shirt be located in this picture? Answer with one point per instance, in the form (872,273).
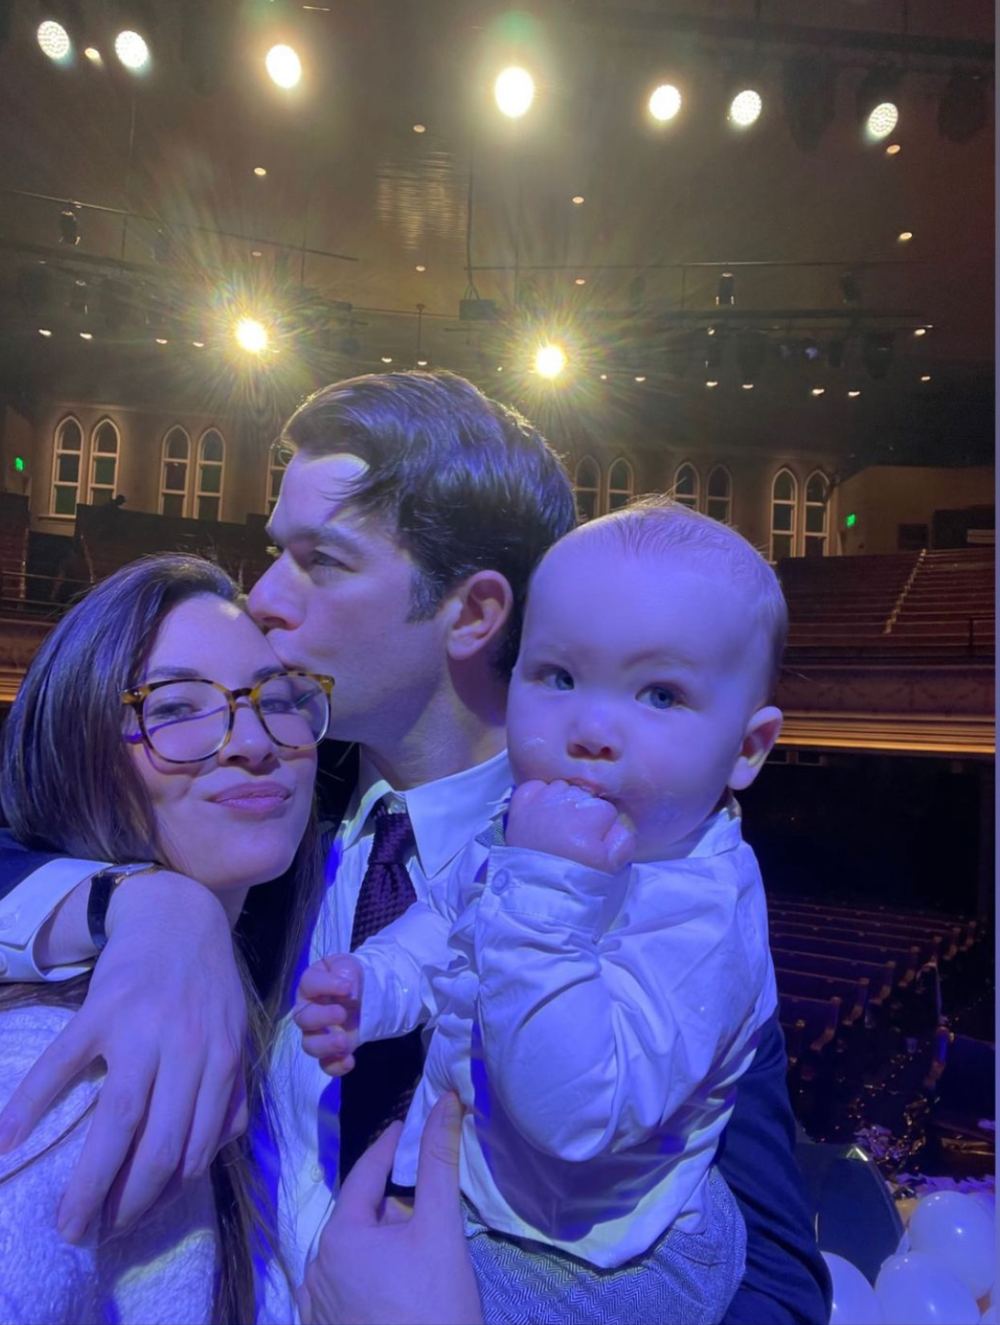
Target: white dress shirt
(446,815)
(594,1026)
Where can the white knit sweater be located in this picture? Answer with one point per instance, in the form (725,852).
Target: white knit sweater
(161,1274)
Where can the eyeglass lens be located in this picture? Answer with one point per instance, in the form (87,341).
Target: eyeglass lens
(188,720)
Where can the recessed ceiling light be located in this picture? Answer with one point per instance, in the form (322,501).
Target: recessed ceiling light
(578,199)
(604,377)
(421,267)
(818,391)
(499,367)
(711,331)
(641,377)
(161,340)
(854,394)
(260,171)
(198,344)
(93,54)
(86,335)
(581,280)
(747,386)
(905,236)
(925,377)
(256,253)
(920,331)
(420,128)
(712,383)
(421,363)
(893,149)
(44,331)
(387,358)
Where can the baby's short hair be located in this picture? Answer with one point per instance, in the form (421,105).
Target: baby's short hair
(661,524)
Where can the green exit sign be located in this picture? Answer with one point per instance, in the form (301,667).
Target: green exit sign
(19,465)
(850,520)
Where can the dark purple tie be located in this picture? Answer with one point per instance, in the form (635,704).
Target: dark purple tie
(386,1072)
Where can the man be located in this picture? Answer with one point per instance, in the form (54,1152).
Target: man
(409,522)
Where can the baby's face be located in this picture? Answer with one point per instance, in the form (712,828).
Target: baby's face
(639,678)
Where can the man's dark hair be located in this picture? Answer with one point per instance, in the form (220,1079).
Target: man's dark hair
(467,484)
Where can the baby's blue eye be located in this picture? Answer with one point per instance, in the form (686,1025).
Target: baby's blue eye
(557,678)
(658,697)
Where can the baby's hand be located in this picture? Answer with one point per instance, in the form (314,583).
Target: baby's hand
(326,1011)
(564,820)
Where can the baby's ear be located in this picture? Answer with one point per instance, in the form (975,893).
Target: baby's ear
(762,731)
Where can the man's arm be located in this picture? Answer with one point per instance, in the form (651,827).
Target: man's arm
(165,1011)
(786,1280)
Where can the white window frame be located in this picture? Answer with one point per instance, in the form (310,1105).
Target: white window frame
(808,535)
(727,499)
(93,487)
(628,491)
(782,501)
(185,494)
(199,493)
(579,488)
(60,450)
(692,501)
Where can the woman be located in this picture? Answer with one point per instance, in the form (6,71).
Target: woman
(154,724)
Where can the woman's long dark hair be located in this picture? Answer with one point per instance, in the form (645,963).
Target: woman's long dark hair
(68,785)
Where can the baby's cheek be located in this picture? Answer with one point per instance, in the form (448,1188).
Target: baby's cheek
(530,756)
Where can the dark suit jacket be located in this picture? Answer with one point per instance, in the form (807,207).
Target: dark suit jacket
(786,1281)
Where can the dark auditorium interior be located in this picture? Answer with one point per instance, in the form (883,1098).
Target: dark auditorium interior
(777,307)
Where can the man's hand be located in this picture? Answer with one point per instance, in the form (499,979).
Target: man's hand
(380,1265)
(166,1013)
(564,820)
(327,1006)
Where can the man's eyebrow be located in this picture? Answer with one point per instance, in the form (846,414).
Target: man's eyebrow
(325,534)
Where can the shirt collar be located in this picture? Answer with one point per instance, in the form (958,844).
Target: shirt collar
(446,814)
(718,833)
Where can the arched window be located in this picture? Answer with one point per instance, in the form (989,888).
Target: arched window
(784,508)
(211,461)
(687,486)
(103,462)
(587,485)
(621,484)
(817,514)
(277,462)
(174,472)
(66,467)
(719,502)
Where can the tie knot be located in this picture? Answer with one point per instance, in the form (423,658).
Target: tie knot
(393,839)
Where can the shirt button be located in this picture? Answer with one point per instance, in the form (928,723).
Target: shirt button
(501,881)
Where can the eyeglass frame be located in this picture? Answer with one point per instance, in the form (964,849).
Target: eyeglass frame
(135,696)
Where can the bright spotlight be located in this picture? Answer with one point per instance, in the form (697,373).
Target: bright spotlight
(53,39)
(251,335)
(514,91)
(745,108)
(665,102)
(550,360)
(283,66)
(883,119)
(132,50)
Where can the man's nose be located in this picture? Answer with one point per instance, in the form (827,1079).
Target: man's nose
(274,602)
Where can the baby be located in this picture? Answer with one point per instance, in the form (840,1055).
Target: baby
(596,969)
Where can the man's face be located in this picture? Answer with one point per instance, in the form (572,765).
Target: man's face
(337,600)
(637,678)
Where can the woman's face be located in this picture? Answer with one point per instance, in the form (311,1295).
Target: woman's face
(236,818)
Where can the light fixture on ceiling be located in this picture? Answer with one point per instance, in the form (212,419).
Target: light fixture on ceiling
(578,200)
(550,360)
(904,236)
(260,171)
(893,149)
(420,267)
(387,358)
(818,391)
(925,377)
(514,91)
(580,280)
(665,102)
(251,335)
(284,68)
(53,40)
(420,128)
(44,331)
(93,55)
(853,395)
(878,102)
(712,383)
(86,335)
(640,377)
(132,50)
(745,108)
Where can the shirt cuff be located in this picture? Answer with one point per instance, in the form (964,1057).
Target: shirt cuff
(548,889)
(26,908)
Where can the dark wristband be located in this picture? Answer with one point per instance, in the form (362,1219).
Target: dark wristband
(102,887)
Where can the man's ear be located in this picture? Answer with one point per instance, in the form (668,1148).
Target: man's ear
(762,731)
(478,609)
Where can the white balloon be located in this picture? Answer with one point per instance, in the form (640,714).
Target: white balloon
(916,1289)
(984,1198)
(958,1232)
(854,1300)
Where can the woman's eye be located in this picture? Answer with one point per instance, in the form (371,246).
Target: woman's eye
(556,678)
(658,697)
